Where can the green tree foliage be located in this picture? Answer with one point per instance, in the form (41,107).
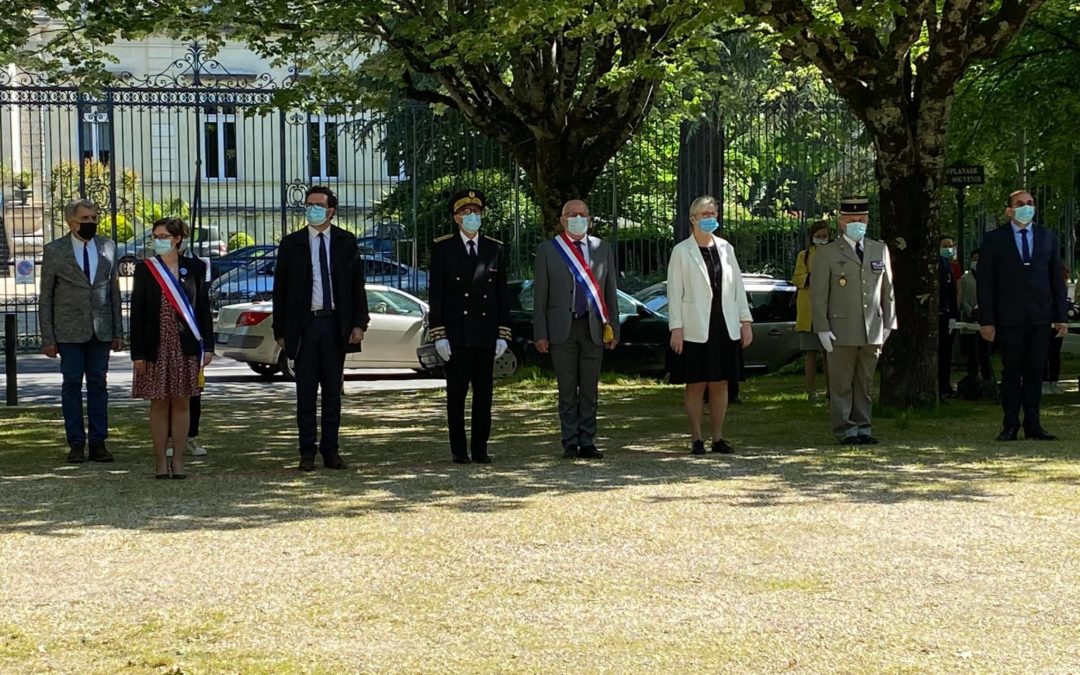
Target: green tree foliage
(64,183)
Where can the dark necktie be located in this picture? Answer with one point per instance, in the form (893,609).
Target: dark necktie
(1026,254)
(86,261)
(324,268)
(581,300)
(472,248)
(858,250)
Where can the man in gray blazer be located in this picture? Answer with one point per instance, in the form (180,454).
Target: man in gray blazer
(79,313)
(851,293)
(568,324)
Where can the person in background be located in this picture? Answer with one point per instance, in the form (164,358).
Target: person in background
(709,318)
(171,340)
(948,313)
(79,312)
(1053,356)
(852,295)
(808,340)
(975,348)
(1021,292)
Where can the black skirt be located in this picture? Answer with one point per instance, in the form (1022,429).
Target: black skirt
(712,361)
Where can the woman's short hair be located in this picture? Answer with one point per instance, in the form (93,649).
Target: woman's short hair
(699,204)
(174,226)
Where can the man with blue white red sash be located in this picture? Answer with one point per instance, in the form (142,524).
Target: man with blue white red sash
(575,316)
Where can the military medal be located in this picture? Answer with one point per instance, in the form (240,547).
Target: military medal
(842,282)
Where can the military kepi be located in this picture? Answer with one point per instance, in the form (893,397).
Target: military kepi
(466,198)
(854,206)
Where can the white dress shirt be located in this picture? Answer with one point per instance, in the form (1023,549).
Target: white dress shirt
(852,243)
(77,248)
(316,268)
(465,241)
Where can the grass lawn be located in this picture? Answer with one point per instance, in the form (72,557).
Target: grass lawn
(939,550)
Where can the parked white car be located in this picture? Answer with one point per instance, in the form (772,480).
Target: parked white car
(244,332)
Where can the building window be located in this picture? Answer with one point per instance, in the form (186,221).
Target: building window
(322,147)
(94,137)
(219,142)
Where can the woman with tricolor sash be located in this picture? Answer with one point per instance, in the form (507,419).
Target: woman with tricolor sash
(171,340)
(708,316)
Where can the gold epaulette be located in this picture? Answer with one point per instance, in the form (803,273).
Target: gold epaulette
(493,239)
(443,238)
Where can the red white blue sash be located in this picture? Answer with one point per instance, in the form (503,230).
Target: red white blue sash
(174,293)
(575,260)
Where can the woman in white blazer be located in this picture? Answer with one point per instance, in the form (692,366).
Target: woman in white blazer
(708,316)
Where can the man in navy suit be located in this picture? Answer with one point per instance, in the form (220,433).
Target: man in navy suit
(1021,292)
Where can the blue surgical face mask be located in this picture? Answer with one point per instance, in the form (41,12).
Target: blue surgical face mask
(315,214)
(1024,214)
(946,252)
(856,230)
(821,241)
(577,225)
(470,222)
(708,225)
(162,246)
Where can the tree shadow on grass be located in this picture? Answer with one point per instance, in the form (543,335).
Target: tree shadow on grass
(395,444)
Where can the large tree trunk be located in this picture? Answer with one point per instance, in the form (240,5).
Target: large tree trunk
(909,227)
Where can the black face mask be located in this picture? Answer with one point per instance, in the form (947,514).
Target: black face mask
(87,230)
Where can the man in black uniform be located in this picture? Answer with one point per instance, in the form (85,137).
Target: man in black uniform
(469,320)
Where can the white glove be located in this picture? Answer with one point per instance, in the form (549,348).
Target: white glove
(443,347)
(827,338)
(500,347)
(952,325)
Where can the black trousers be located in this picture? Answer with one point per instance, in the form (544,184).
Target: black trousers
(1053,357)
(195,412)
(977,351)
(320,364)
(944,355)
(469,366)
(1023,362)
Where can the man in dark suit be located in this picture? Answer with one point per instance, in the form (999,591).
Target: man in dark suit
(948,313)
(79,311)
(320,314)
(567,324)
(1021,292)
(469,321)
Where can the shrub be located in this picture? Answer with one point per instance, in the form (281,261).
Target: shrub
(240,240)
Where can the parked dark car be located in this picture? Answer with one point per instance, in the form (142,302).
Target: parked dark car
(643,346)
(772,303)
(239,258)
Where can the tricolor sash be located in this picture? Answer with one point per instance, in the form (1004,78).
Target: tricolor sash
(174,293)
(582,273)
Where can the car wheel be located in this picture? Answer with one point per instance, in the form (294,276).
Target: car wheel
(287,367)
(507,364)
(126,267)
(264,370)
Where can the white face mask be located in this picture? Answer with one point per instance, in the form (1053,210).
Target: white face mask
(577,225)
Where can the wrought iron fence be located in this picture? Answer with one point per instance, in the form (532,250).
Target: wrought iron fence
(208,145)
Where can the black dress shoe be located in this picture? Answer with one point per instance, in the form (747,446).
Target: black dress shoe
(461,459)
(307,463)
(867,439)
(1008,434)
(334,461)
(98,453)
(1038,434)
(75,455)
(481,459)
(590,452)
(849,440)
(697,448)
(722,447)
(570,452)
